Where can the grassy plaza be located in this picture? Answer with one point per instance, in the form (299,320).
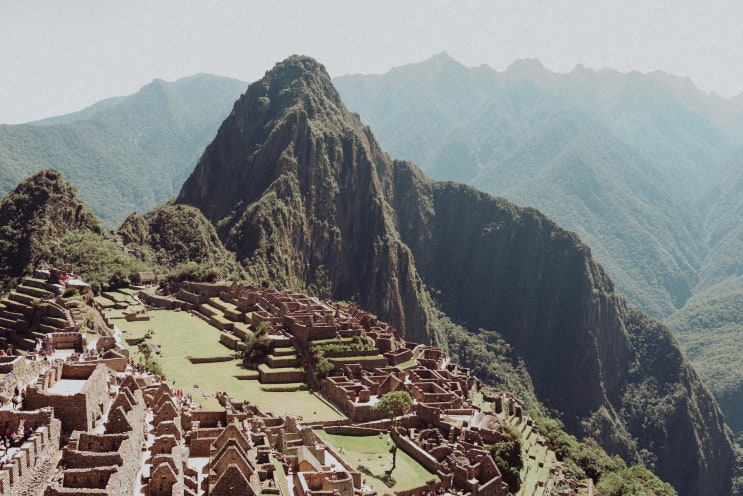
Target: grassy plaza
(370,455)
(181,334)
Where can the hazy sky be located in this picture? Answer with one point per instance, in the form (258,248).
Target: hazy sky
(60,56)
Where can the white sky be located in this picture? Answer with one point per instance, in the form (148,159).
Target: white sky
(60,56)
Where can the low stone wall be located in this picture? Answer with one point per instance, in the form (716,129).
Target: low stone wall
(191,298)
(271,376)
(398,356)
(32,464)
(418,491)
(207,289)
(350,353)
(229,340)
(21,376)
(9,364)
(164,302)
(415,452)
(339,363)
(352,430)
(225,358)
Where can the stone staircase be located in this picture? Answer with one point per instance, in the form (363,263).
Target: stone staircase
(29,312)
(281,366)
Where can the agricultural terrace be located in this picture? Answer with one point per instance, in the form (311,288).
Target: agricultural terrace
(370,455)
(181,334)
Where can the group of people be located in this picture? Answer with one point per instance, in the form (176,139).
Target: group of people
(184,399)
(8,436)
(87,355)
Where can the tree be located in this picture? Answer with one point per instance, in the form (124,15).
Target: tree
(146,355)
(508,458)
(394,403)
(257,346)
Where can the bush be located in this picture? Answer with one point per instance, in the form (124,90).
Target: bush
(323,367)
(508,457)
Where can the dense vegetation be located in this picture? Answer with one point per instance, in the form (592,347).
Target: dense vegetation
(710,330)
(490,359)
(33,215)
(126,154)
(180,238)
(99,259)
(610,474)
(508,457)
(44,223)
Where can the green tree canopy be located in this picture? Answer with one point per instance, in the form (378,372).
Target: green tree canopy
(395,403)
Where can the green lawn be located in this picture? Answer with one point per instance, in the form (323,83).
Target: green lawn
(180,334)
(406,365)
(371,453)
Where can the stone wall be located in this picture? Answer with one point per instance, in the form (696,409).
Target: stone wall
(9,364)
(164,302)
(66,340)
(280,376)
(415,452)
(33,463)
(107,462)
(23,373)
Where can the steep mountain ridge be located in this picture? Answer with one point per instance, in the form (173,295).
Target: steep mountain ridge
(295,186)
(644,167)
(40,208)
(301,191)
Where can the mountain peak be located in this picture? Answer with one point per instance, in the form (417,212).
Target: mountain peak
(526,67)
(290,166)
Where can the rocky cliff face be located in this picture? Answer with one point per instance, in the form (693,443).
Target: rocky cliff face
(300,190)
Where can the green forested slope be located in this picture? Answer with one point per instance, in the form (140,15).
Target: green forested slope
(124,154)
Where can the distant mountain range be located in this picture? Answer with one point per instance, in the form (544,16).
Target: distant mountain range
(124,154)
(646,168)
(633,163)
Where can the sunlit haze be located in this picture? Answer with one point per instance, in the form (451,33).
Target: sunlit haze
(59,57)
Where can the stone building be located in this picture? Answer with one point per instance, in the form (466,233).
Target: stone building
(107,463)
(77,392)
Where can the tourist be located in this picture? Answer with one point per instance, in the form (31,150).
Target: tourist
(7,433)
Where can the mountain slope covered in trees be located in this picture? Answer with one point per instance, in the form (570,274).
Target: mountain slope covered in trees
(125,154)
(304,195)
(644,167)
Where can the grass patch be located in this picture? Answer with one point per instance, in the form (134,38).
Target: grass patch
(357,359)
(370,455)
(410,363)
(181,334)
(331,340)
